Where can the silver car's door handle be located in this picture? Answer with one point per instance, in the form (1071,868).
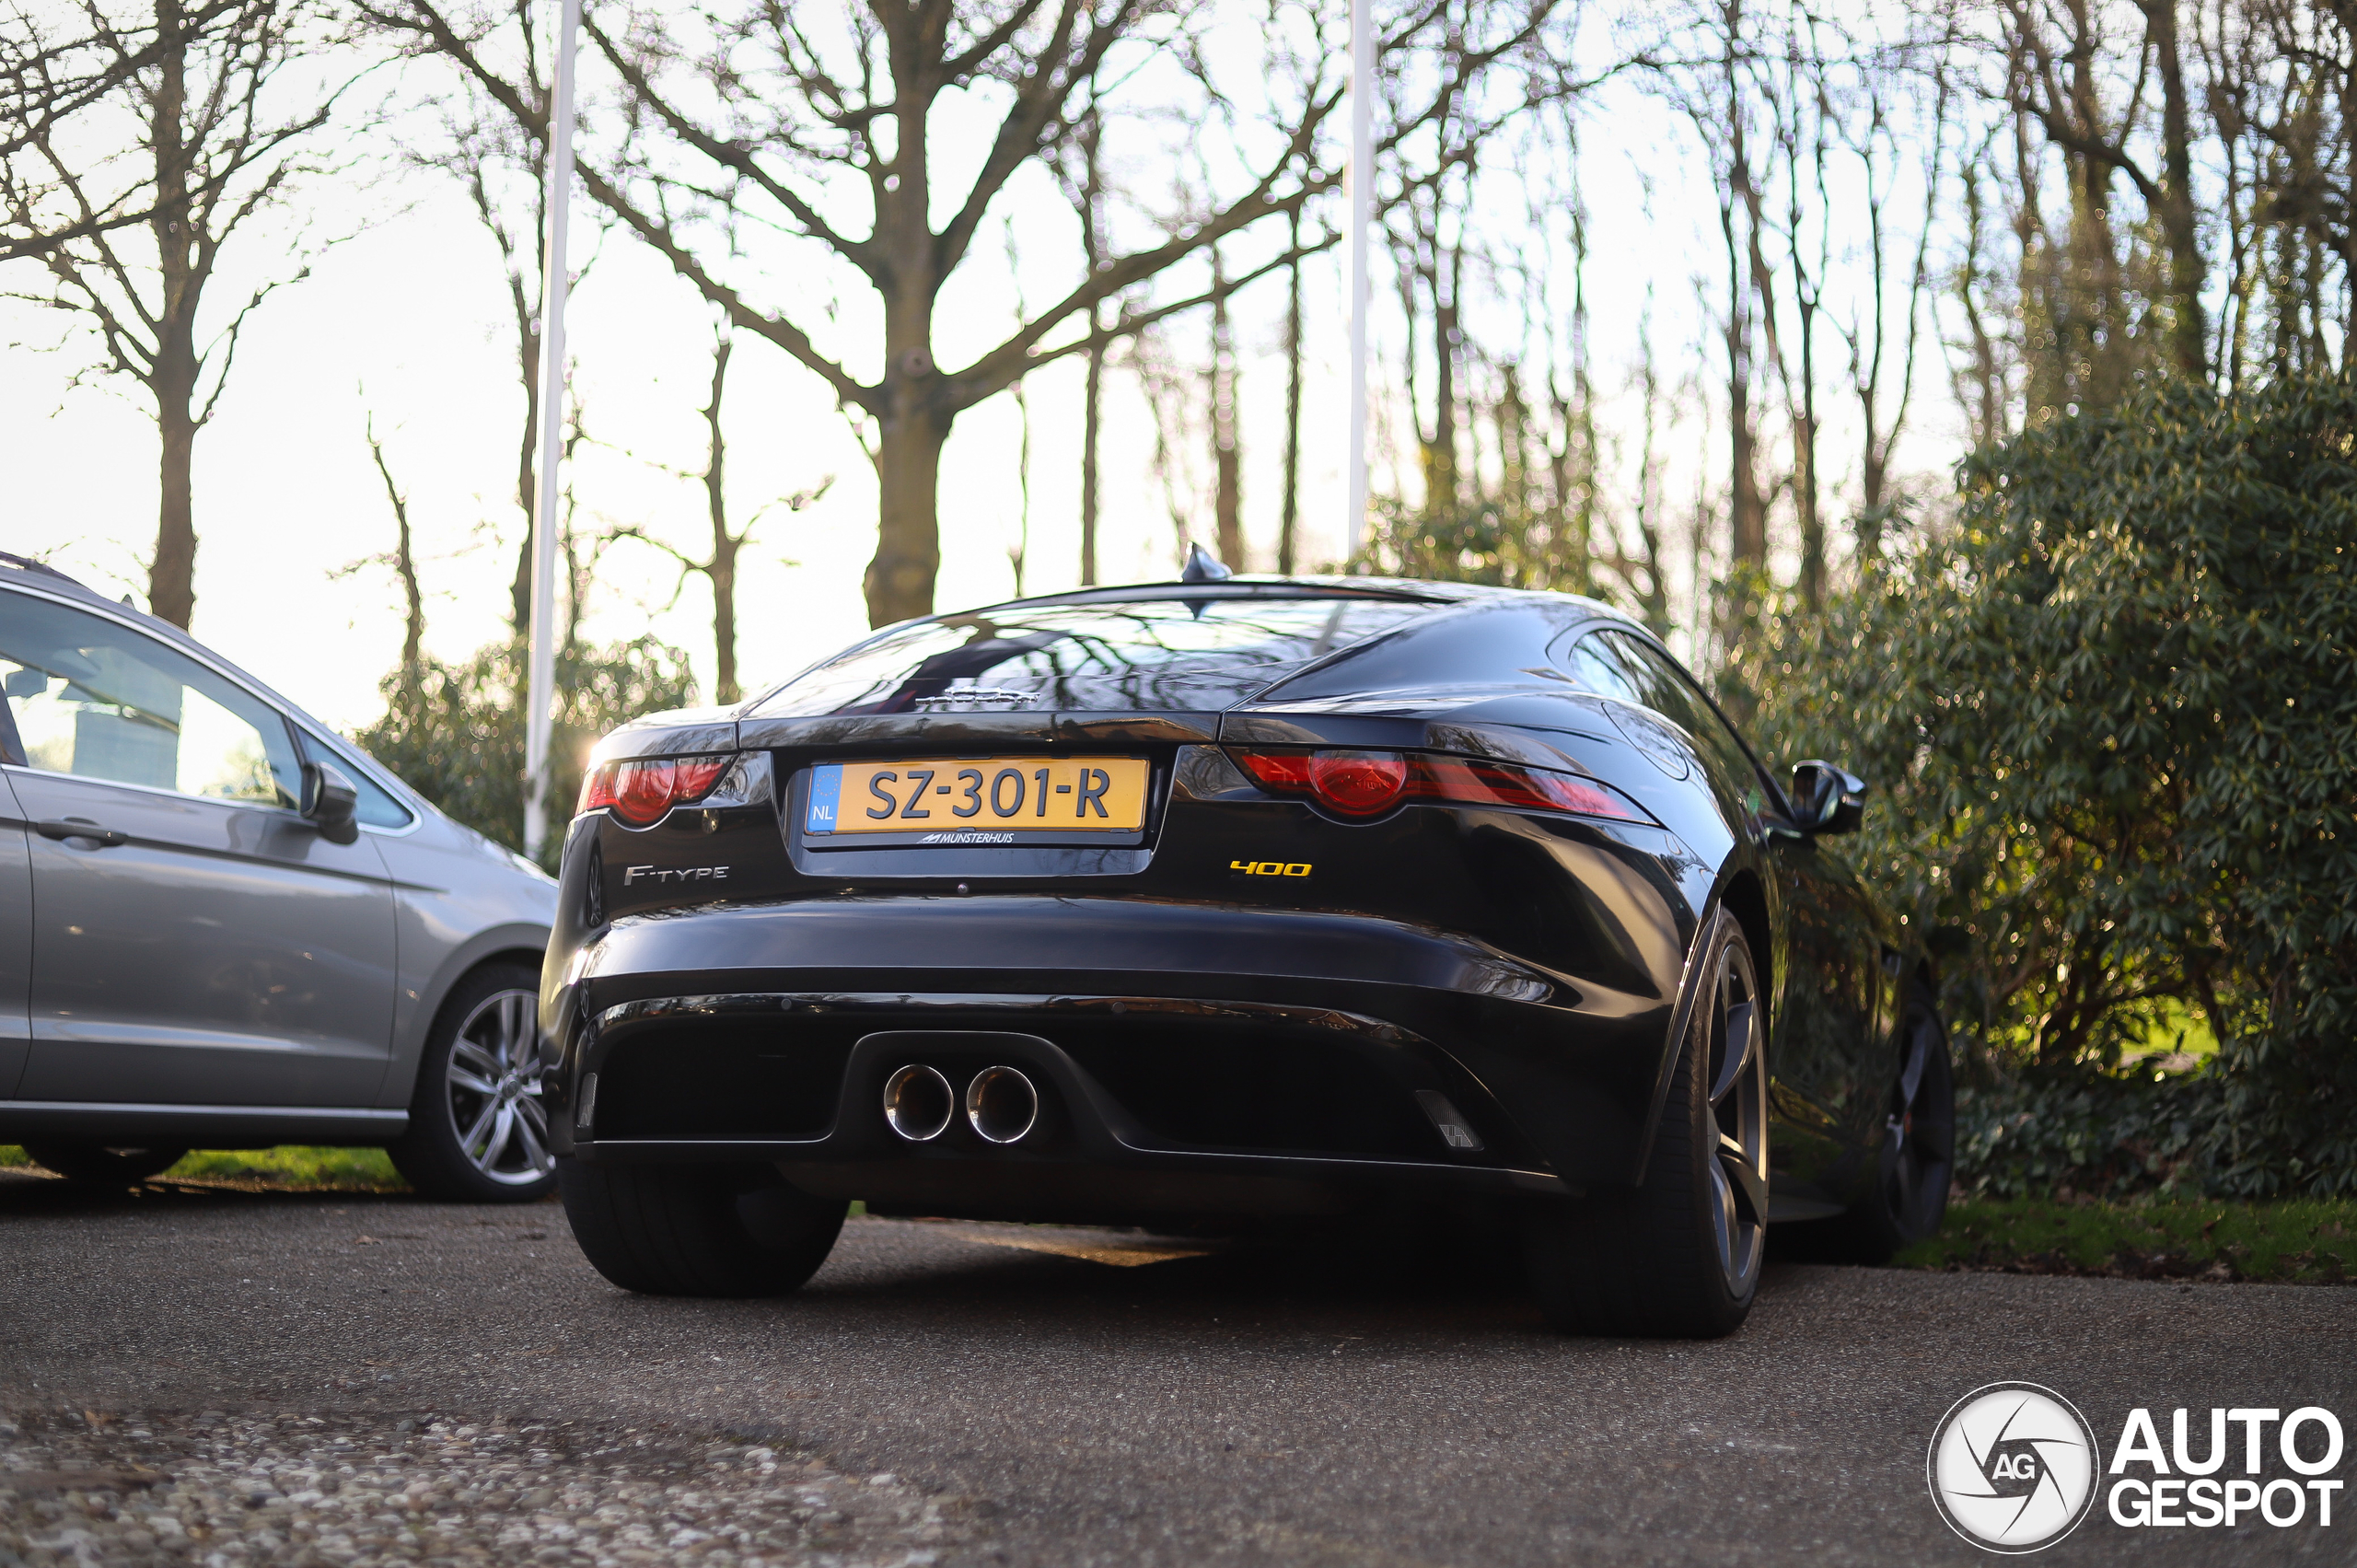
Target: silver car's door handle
(82,828)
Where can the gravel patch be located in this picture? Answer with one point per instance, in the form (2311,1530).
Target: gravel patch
(226,1491)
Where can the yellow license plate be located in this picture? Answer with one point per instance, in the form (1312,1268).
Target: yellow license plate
(997,794)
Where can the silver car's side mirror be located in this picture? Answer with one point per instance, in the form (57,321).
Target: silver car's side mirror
(329,802)
(1826,798)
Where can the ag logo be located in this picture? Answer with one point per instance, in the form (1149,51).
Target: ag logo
(2012,1467)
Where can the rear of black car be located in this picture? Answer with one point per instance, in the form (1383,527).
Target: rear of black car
(1200,901)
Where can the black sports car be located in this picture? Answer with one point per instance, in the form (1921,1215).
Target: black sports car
(1231,900)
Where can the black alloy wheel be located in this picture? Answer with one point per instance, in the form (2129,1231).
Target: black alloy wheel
(1917,1160)
(95,1165)
(1678,1256)
(713,1230)
(478,1132)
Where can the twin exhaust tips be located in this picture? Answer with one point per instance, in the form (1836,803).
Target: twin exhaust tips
(1001,1104)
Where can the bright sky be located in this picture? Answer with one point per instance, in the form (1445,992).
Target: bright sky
(409,320)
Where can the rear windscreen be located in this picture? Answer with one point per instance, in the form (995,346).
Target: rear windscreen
(1155,655)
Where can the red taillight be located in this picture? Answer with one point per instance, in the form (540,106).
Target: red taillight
(1357,783)
(640,792)
(1365,783)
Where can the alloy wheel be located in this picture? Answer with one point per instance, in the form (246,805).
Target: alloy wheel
(494,1083)
(1739,1091)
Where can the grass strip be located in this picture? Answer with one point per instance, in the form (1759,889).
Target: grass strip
(2295,1242)
(292,1165)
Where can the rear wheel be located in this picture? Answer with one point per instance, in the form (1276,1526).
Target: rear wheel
(724,1230)
(1910,1197)
(99,1165)
(1679,1257)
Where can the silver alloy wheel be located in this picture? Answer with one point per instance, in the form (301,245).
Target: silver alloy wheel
(1739,1086)
(493,1081)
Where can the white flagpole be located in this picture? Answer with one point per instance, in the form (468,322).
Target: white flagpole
(542,659)
(1361,191)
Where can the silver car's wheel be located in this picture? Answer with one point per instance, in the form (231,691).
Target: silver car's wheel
(478,1132)
(492,1080)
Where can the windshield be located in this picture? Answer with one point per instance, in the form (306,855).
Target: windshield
(1155,654)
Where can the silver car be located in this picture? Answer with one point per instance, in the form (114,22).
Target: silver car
(221,926)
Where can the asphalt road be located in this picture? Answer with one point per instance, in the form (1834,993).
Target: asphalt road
(1107,1401)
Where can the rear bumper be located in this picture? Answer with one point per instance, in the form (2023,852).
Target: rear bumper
(1195,1057)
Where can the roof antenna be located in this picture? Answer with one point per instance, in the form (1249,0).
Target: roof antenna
(1202,566)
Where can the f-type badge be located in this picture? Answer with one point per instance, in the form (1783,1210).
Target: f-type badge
(682,874)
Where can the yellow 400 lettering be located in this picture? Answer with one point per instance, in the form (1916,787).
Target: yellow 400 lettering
(1269,867)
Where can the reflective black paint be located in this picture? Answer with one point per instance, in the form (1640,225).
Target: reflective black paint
(1526,965)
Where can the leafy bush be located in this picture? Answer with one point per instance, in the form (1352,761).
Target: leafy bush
(2112,713)
(454,733)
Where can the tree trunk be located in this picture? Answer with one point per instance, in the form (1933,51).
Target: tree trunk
(1091,423)
(907,542)
(1804,493)
(172,372)
(2188,270)
(1092,240)
(1228,496)
(171,579)
(1747,520)
(723,568)
(1440,456)
(528,340)
(912,419)
(1289,515)
(404,565)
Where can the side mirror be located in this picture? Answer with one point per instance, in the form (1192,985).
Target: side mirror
(1826,798)
(328,801)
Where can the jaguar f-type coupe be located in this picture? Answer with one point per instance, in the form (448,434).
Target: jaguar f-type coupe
(1239,901)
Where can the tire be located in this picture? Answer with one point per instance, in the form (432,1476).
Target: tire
(714,1230)
(477,1133)
(95,1165)
(1917,1160)
(1678,1256)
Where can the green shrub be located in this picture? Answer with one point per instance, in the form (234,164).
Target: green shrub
(2112,715)
(454,732)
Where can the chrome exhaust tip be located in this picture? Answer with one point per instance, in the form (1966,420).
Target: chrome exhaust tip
(1002,1105)
(918,1103)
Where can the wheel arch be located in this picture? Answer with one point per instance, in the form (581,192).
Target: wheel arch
(518,943)
(1742,898)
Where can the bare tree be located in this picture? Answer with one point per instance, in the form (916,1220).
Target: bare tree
(1228,456)
(58,77)
(1089,202)
(216,144)
(726,545)
(1868,330)
(505,175)
(791,102)
(403,560)
(1289,515)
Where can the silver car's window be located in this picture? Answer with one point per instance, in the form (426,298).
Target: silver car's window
(97,699)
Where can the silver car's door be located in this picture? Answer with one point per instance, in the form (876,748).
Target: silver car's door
(194,940)
(16,926)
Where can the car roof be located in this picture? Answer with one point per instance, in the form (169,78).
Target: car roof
(1298,586)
